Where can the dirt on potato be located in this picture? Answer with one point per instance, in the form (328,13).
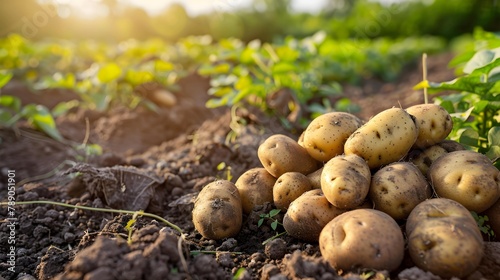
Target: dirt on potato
(165,159)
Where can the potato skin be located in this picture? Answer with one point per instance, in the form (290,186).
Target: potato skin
(325,136)
(255,187)
(397,188)
(444,238)
(362,238)
(315,178)
(434,123)
(467,177)
(280,154)
(289,187)
(385,138)
(217,211)
(345,181)
(423,158)
(308,214)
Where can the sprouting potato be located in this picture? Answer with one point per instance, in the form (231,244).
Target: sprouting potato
(434,123)
(217,211)
(255,187)
(280,154)
(467,177)
(308,214)
(289,187)
(362,238)
(325,136)
(397,188)
(385,138)
(345,181)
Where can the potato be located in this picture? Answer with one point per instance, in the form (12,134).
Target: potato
(315,178)
(443,238)
(325,136)
(385,138)
(280,154)
(434,123)
(255,187)
(397,188)
(435,209)
(467,177)
(423,159)
(362,238)
(217,211)
(289,187)
(345,181)
(308,214)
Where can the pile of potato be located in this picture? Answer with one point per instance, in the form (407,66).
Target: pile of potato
(356,187)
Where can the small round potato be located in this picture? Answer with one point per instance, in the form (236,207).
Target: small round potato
(443,238)
(308,214)
(255,187)
(434,123)
(397,188)
(289,187)
(315,178)
(385,138)
(467,177)
(423,159)
(325,136)
(217,211)
(362,238)
(345,181)
(280,154)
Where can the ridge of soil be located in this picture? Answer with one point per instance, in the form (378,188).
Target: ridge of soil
(165,158)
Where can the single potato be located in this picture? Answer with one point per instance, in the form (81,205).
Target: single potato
(385,138)
(437,209)
(315,178)
(280,154)
(362,238)
(325,136)
(397,188)
(423,158)
(255,187)
(217,211)
(289,187)
(443,238)
(345,181)
(467,177)
(434,123)
(308,214)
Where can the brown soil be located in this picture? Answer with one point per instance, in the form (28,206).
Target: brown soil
(159,161)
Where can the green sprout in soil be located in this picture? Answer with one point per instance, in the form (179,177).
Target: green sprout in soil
(274,224)
(482,223)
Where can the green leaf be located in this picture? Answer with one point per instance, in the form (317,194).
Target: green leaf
(260,222)
(63,107)
(481,59)
(11,102)
(5,78)
(109,72)
(494,136)
(41,119)
(164,66)
(283,68)
(493,152)
(469,137)
(274,225)
(274,212)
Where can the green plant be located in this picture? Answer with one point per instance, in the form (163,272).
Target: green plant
(274,223)
(482,223)
(475,108)
(130,226)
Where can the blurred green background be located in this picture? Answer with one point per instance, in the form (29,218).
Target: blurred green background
(267,20)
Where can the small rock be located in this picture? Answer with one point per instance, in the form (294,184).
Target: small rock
(276,249)
(225,259)
(228,245)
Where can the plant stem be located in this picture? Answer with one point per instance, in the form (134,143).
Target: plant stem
(424,76)
(119,211)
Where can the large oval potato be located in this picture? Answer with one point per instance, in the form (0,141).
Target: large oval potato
(385,138)
(289,187)
(280,154)
(255,187)
(345,181)
(434,123)
(325,136)
(308,214)
(217,211)
(362,238)
(443,238)
(397,188)
(467,177)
